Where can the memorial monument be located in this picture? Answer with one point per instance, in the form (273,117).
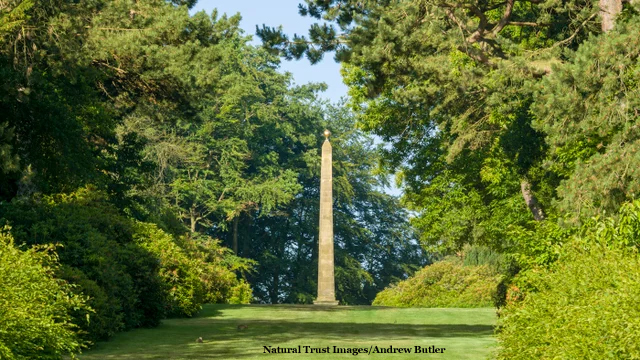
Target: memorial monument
(326,282)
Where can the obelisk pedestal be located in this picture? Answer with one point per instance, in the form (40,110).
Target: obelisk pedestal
(326,282)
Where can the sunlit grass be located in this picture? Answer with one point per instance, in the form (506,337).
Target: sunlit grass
(464,333)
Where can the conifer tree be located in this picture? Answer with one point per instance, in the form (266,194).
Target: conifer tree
(447,86)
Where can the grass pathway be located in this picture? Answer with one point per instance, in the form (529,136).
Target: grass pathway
(464,333)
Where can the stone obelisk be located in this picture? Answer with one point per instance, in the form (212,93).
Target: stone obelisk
(326,282)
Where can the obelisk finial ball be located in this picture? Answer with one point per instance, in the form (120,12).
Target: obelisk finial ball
(327,133)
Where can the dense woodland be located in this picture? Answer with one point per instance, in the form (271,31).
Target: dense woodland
(152,161)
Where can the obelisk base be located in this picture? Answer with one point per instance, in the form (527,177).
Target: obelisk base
(325,302)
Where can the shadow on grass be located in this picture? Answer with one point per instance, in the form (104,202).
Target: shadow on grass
(222,340)
(212,310)
(217,325)
(288,330)
(297,307)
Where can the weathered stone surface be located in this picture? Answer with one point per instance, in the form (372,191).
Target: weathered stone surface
(326,282)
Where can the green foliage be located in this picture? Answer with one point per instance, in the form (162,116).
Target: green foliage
(585,307)
(578,298)
(480,30)
(133,273)
(219,268)
(240,293)
(8,160)
(186,132)
(482,255)
(588,109)
(620,230)
(180,274)
(178,121)
(351,280)
(539,244)
(35,307)
(203,122)
(98,250)
(448,87)
(97,322)
(13,15)
(195,272)
(446,283)
(544,243)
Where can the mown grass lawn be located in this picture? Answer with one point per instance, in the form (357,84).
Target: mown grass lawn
(464,333)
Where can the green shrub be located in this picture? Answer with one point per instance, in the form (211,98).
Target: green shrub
(134,274)
(100,257)
(180,273)
(35,320)
(475,255)
(541,246)
(99,322)
(218,267)
(195,271)
(585,306)
(447,283)
(240,293)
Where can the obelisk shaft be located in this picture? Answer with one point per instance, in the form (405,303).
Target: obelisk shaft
(326,283)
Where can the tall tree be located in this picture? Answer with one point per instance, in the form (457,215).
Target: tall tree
(54,115)
(447,85)
(589,110)
(202,102)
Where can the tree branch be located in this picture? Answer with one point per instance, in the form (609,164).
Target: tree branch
(453,18)
(477,55)
(505,17)
(525,23)
(103,63)
(575,33)
(482,25)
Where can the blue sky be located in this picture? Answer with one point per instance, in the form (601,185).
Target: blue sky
(285,13)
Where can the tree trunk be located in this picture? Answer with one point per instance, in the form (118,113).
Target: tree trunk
(276,285)
(246,239)
(235,234)
(531,201)
(193,219)
(609,9)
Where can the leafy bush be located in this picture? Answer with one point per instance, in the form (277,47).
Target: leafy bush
(475,255)
(134,274)
(180,273)
(104,314)
(100,257)
(540,247)
(540,244)
(586,306)
(447,283)
(35,320)
(218,266)
(240,293)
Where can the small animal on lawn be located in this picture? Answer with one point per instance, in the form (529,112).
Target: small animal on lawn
(242,327)
(199,340)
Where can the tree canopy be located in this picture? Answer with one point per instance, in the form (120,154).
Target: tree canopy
(463,94)
(176,164)
(170,162)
